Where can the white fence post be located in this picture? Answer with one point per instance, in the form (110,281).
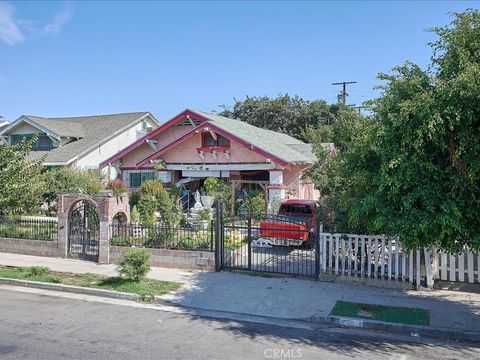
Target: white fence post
(428,267)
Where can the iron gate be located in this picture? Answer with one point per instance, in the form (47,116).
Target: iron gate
(83,231)
(266,244)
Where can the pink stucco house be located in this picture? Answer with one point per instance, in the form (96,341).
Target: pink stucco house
(195,145)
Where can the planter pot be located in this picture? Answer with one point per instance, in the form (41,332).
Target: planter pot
(204,225)
(207,201)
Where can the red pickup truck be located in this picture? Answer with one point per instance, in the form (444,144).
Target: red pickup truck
(294,224)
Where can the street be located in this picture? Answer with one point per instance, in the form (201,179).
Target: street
(36,326)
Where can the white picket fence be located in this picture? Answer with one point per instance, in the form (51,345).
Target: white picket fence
(460,268)
(368,256)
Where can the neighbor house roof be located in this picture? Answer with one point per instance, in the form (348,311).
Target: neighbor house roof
(87,133)
(282,148)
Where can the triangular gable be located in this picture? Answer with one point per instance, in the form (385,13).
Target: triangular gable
(27,120)
(153,134)
(207,125)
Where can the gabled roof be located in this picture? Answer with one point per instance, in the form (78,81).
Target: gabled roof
(280,147)
(62,127)
(87,132)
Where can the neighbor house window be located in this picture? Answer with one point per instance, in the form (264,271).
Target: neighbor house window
(43,143)
(208,141)
(138,178)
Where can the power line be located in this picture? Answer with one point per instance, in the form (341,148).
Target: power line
(342,97)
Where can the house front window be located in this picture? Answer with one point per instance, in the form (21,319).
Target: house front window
(208,141)
(138,178)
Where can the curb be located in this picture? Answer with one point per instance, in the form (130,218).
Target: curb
(373,325)
(69,289)
(412,330)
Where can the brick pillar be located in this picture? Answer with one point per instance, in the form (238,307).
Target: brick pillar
(62,227)
(104,246)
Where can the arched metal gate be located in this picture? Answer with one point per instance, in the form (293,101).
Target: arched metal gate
(83,231)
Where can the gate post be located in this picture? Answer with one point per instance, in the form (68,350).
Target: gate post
(104,243)
(218,237)
(318,249)
(249,237)
(62,242)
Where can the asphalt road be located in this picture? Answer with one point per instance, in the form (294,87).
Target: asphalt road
(34,326)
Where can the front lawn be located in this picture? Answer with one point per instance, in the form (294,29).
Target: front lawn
(402,315)
(144,288)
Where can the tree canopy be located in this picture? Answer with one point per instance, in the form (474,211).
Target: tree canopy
(19,186)
(286,114)
(413,169)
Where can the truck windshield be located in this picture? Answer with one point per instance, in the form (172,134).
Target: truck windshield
(297,209)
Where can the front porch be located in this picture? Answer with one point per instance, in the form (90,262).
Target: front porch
(243,179)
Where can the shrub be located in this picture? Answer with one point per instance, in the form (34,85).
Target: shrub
(151,188)
(134,264)
(64,180)
(117,186)
(36,270)
(121,241)
(147,206)
(205,214)
(134,198)
(163,238)
(135,215)
(256,204)
(210,185)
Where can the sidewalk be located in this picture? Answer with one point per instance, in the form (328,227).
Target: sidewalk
(285,298)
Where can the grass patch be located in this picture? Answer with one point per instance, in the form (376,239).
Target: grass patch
(146,288)
(394,314)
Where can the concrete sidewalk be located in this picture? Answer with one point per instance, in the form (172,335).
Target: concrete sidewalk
(83,267)
(286,298)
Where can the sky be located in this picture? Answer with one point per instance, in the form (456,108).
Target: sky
(85,58)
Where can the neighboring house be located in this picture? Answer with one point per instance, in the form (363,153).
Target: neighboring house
(195,145)
(3,125)
(83,142)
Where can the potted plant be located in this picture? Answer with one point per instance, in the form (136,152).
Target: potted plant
(205,218)
(161,165)
(117,187)
(210,188)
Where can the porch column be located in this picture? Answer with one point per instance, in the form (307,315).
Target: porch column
(276,192)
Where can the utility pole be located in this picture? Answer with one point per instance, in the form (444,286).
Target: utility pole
(342,97)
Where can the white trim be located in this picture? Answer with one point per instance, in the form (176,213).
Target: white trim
(30,122)
(115,134)
(243,166)
(54,163)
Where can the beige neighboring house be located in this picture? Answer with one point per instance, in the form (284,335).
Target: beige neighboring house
(3,125)
(83,142)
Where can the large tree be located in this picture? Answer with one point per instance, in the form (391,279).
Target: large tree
(414,172)
(64,180)
(20,189)
(290,115)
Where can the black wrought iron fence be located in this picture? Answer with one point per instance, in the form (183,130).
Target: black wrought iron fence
(269,243)
(161,236)
(34,229)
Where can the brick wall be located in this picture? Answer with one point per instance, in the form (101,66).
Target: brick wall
(29,247)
